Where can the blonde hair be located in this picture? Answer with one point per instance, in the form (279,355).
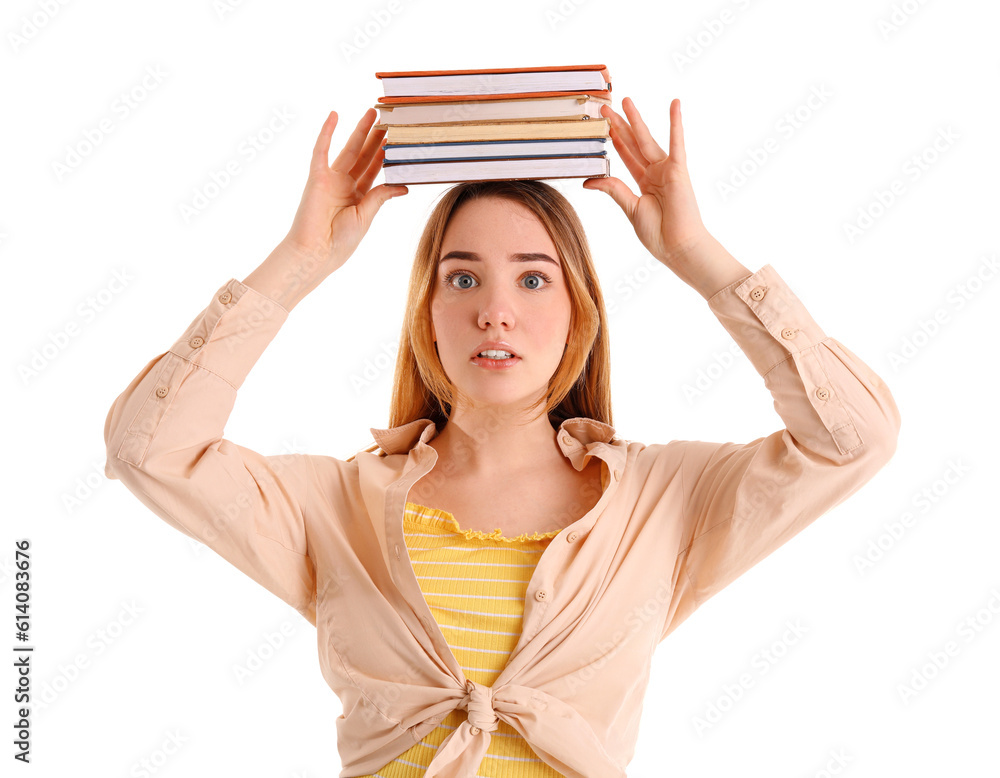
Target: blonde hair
(581,385)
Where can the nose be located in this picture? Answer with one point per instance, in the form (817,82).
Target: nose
(495,308)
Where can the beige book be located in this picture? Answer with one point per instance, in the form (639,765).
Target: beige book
(570,107)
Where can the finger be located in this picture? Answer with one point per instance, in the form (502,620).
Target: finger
(636,167)
(374,166)
(321,151)
(372,201)
(625,136)
(372,146)
(347,158)
(619,192)
(677,151)
(650,148)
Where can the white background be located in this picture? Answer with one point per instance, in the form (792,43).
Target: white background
(897,75)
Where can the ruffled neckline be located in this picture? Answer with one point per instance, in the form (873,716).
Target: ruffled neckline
(443,520)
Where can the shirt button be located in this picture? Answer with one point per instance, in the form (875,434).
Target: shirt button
(617,474)
(822,393)
(571,537)
(567,439)
(758,292)
(788,333)
(475,730)
(397,551)
(161,391)
(196,342)
(225,297)
(540,595)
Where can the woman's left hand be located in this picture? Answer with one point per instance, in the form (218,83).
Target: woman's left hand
(665,217)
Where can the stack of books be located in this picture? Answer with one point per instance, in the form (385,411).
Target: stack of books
(448,126)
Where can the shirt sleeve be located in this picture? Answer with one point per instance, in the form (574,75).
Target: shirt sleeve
(164,437)
(743,501)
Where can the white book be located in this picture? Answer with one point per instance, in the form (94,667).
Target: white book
(496,170)
(524,148)
(495,83)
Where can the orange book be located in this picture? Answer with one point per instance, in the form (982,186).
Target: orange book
(600,93)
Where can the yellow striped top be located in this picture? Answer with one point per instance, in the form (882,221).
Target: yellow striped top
(474,583)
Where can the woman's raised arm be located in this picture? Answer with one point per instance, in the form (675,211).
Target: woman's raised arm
(164,432)
(743,501)
(665,217)
(336,210)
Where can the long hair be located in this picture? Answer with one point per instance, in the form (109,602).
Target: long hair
(581,385)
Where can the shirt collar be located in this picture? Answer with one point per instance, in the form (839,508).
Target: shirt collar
(581,431)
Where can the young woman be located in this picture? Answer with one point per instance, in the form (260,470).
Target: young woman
(490,585)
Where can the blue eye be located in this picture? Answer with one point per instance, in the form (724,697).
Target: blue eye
(449,276)
(454,273)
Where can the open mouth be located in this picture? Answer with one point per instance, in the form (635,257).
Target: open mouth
(494,361)
(494,354)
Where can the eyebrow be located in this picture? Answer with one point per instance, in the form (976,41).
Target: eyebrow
(472,256)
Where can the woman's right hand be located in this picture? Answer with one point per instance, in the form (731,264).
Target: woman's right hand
(337,206)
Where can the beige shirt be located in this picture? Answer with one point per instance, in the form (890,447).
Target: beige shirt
(677,522)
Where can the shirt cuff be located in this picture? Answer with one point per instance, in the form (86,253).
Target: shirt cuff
(229,336)
(765,318)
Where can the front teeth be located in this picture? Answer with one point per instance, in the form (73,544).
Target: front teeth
(496,354)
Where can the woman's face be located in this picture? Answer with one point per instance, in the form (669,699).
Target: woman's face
(483,292)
